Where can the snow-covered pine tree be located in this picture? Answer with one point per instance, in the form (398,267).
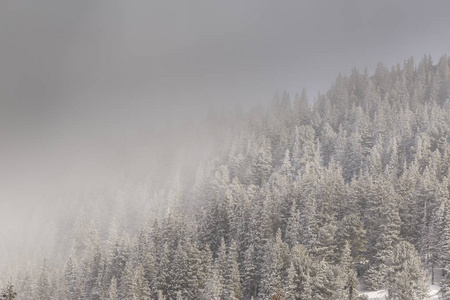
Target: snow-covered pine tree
(232,279)
(128,284)
(249,273)
(8,292)
(389,233)
(293,229)
(142,287)
(351,231)
(113,292)
(43,288)
(406,279)
(349,276)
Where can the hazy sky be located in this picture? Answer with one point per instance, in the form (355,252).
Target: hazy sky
(77,78)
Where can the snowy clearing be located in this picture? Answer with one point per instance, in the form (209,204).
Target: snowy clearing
(380,294)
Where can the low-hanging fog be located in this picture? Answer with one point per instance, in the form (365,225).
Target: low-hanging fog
(99,95)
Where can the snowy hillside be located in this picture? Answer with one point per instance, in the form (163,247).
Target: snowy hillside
(296,201)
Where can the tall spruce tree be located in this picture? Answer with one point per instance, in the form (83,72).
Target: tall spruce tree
(8,292)
(406,278)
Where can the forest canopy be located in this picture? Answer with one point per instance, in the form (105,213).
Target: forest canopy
(300,200)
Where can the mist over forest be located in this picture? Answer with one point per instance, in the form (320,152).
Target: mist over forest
(199,150)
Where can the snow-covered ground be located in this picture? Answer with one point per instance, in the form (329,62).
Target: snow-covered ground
(433,290)
(380,295)
(375,295)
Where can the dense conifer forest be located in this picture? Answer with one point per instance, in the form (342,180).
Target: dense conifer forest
(302,200)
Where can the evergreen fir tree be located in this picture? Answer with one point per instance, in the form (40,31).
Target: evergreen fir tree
(406,278)
(128,284)
(213,288)
(113,293)
(43,288)
(249,273)
(350,280)
(8,292)
(142,287)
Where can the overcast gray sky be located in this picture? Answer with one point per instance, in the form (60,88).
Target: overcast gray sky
(75,75)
